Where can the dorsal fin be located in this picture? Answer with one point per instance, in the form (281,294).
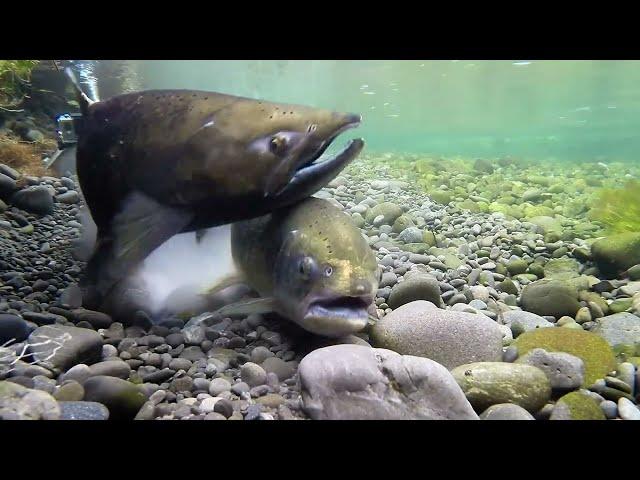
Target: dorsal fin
(83,100)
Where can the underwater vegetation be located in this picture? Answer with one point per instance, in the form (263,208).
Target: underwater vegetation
(618,209)
(15,78)
(25,156)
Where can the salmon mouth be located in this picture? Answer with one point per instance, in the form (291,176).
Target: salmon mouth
(337,316)
(314,158)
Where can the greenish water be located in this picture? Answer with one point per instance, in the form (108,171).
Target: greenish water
(584,110)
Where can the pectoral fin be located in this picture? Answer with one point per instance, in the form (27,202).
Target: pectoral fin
(141,227)
(225,282)
(247,307)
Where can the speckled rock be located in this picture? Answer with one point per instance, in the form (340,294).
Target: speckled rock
(564,371)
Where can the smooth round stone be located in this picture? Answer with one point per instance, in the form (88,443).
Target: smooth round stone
(224,407)
(180,364)
(219,385)
(609,408)
(123,399)
(282,369)
(627,410)
(448,337)
(506,411)
(70,391)
(260,354)
(13,328)
(174,340)
(111,368)
(208,404)
(510,354)
(239,388)
(109,351)
(201,384)
(253,374)
(78,373)
(478,304)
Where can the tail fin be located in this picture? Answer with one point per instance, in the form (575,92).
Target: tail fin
(83,100)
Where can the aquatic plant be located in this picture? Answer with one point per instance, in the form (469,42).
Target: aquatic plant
(15,76)
(617,209)
(25,157)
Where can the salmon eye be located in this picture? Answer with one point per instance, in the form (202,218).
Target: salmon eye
(277,144)
(328,271)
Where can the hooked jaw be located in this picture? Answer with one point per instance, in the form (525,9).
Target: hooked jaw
(312,175)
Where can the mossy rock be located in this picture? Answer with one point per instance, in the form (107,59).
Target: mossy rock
(561,268)
(582,254)
(538,211)
(593,350)
(429,238)
(470,205)
(546,223)
(416,247)
(402,222)
(577,406)
(390,212)
(617,252)
(440,196)
(536,269)
(620,305)
(525,277)
(515,267)
(595,298)
(550,297)
(508,286)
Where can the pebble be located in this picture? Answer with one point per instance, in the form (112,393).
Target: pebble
(627,410)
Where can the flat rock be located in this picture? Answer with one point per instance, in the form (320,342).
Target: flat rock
(37,199)
(83,411)
(59,347)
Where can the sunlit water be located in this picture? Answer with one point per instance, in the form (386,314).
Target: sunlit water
(536,109)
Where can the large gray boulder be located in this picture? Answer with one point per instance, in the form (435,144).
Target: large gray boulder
(448,337)
(353,382)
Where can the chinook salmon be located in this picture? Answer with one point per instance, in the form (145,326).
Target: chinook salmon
(156,163)
(310,264)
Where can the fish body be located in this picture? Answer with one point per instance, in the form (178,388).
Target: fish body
(156,163)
